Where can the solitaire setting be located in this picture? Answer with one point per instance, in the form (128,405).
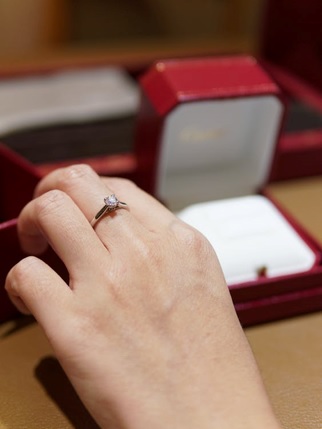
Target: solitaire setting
(111,203)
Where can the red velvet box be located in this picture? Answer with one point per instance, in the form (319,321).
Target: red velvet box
(172,84)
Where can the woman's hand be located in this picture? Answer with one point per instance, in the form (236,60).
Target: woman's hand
(145,330)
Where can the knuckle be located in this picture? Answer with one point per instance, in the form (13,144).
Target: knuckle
(191,239)
(49,202)
(71,176)
(120,184)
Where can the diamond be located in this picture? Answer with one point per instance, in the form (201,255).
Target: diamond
(111,201)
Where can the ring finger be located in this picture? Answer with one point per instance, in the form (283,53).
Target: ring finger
(87,190)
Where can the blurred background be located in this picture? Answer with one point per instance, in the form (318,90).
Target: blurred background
(286,32)
(39,36)
(31,28)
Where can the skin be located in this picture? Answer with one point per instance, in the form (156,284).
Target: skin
(145,330)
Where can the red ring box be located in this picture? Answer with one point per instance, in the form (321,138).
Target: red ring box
(200,120)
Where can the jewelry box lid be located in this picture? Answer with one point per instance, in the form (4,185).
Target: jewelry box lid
(207,129)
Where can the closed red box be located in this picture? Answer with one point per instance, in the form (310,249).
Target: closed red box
(292,38)
(17,181)
(290,49)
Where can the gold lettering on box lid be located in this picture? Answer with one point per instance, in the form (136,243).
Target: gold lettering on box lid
(199,135)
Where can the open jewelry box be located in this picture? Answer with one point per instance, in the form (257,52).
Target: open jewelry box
(209,129)
(248,104)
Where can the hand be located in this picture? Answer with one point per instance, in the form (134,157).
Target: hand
(145,330)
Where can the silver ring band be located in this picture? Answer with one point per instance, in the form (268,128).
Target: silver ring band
(112,203)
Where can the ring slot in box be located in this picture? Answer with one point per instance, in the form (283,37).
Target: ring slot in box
(208,130)
(251,237)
